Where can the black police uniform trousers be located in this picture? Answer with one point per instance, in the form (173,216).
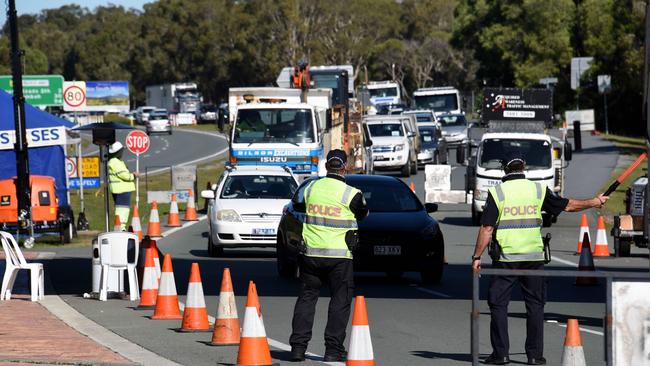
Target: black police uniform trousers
(338,274)
(534,292)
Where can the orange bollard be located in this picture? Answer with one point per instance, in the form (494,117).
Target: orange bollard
(173,218)
(153,229)
(117,225)
(190,209)
(601,249)
(253,346)
(167,307)
(584,229)
(135,223)
(360,351)
(195,316)
(586,264)
(149,283)
(226,327)
(573,354)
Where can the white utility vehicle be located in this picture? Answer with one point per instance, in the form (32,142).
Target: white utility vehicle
(392,144)
(245,206)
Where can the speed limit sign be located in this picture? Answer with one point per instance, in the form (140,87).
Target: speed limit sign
(74,95)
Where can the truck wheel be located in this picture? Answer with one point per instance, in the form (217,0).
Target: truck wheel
(406,170)
(476,216)
(622,247)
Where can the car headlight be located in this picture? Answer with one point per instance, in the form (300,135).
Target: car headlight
(228,215)
(429,231)
(398,147)
(480,194)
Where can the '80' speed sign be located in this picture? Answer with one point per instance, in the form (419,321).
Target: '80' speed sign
(137,142)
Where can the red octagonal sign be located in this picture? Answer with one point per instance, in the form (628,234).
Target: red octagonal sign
(137,142)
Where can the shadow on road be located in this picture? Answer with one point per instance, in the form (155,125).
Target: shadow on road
(457,221)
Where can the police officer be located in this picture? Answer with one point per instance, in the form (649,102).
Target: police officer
(513,217)
(332,209)
(120,182)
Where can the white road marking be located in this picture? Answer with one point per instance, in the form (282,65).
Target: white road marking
(432,292)
(596,332)
(185,225)
(564,261)
(278,344)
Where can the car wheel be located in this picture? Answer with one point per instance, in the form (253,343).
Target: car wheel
(285,268)
(434,267)
(214,250)
(66,234)
(622,247)
(414,167)
(406,170)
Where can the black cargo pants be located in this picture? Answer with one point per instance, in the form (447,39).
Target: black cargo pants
(338,274)
(534,293)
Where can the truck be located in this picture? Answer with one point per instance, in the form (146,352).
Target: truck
(514,119)
(384,92)
(440,100)
(296,128)
(175,97)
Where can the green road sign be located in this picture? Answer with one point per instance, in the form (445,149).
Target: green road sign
(39,90)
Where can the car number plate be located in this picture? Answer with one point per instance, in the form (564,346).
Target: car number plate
(263,231)
(387,250)
(378,157)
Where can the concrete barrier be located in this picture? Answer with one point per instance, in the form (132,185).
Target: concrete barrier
(437,186)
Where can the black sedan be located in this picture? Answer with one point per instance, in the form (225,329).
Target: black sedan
(397,236)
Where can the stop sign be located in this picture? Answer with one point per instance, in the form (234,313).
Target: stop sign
(137,142)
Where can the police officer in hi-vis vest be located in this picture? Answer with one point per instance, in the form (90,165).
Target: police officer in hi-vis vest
(329,231)
(513,217)
(120,182)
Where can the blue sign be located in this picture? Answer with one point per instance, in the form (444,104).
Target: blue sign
(88,183)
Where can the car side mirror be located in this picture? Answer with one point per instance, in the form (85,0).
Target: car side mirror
(410,134)
(431,207)
(368,142)
(207,194)
(568,151)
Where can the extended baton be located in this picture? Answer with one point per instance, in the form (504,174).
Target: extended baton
(621,178)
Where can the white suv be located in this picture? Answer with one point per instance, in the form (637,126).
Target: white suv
(392,148)
(245,206)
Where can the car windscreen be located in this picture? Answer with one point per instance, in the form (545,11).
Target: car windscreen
(427,135)
(537,153)
(452,120)
(439,102)
(423,117)
(388,197)
(274,125)
(383,92)
(156,116)
(258,186)
(385,129)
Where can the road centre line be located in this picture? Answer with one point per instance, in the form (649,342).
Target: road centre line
(564,261)
(278,344)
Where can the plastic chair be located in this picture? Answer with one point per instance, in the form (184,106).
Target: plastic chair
(118,251)
(15,262)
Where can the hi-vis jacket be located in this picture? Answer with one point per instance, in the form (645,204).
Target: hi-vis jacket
(520,220)
(119,178)
(328,218)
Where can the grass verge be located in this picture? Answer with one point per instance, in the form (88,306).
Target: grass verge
(631,148)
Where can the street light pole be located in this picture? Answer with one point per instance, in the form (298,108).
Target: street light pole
(20,145)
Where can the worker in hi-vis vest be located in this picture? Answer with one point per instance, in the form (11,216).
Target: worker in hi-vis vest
(121,182)
(329,233)
(512,220)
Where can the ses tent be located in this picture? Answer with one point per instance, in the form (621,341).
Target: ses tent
(46,135)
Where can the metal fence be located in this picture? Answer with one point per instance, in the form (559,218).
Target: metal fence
(607,323)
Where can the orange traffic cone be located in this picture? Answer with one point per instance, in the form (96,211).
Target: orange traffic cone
(149,282)
(195,316)
(253,346)
(360,349)
(135,223)
(167,301)
(584,229)
(412,186)
(156,258)
(190,209)
(117,225)
(173,218)
(573,354)
(601,249)
(586,264)
(153,229)
(226,327)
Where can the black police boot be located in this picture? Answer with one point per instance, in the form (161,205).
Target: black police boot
(297,354)
(335,356)
(537,361)
(495,360)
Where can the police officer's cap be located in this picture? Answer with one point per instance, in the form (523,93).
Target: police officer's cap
(514,158)
(336,159)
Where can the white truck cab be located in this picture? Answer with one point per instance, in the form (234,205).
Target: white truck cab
(384,92)
(441,100)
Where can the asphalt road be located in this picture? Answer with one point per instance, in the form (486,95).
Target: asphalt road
(410,324)
(184,146)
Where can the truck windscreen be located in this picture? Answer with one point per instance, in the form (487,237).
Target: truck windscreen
(537,153)
(383,92)
(328,81)
(439,102)
(274,125)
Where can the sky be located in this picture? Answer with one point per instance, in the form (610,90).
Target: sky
(35,6)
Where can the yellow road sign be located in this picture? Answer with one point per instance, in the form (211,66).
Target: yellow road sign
(90,166)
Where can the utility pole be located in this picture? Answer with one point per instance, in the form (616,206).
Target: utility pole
(20,146)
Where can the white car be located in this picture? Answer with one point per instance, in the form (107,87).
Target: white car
(159,122)
(391,146)
(245,207)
